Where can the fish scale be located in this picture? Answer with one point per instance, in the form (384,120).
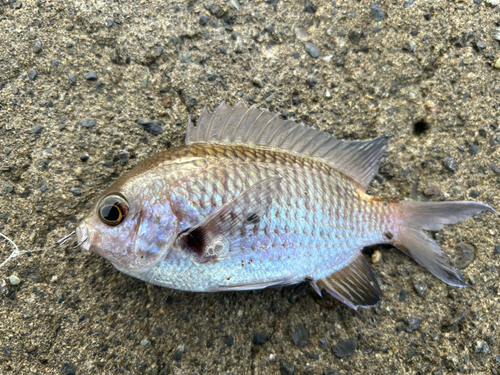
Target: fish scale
(253,201)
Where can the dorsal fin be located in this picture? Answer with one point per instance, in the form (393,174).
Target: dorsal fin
(359,160)
(355,284)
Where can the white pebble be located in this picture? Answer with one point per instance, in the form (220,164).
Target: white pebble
(240,313)
(14,280)
(53,279)
(376,256)
(328,58)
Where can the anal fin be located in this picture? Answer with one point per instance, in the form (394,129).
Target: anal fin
(355,284)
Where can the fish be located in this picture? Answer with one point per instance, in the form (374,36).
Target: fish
(254,201)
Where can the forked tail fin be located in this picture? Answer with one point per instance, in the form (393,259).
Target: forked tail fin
(418,216)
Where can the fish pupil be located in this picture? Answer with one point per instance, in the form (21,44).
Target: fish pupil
(111,213)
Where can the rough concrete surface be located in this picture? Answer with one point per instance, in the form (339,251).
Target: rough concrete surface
(75,78)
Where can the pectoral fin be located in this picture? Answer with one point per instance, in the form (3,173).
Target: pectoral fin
(355,284)
(213,238)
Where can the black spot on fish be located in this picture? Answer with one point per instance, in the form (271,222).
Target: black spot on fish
(389,235)
(193,240)
(253,219)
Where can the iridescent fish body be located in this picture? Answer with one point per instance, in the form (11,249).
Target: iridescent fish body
(254,201)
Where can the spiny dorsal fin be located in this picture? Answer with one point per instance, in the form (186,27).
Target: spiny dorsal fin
(359,160)
(355,284)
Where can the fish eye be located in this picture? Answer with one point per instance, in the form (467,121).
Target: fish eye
(113,209)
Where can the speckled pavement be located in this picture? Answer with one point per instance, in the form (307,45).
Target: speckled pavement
(90,89)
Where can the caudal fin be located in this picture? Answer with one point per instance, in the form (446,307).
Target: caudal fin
(419,216)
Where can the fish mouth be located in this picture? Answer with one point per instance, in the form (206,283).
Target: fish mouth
(82,236)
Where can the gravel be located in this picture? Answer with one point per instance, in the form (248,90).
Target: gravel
(465,254)
(88,123)
(300,336)
(90,76)
(377,13)
(286,368)
(152,127)
(311,49)
(413,323)
(345,348)
(32,73)
(420,287)
(259,338)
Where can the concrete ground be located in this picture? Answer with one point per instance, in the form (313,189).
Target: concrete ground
(75,78)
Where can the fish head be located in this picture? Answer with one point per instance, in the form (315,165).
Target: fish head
(133,227)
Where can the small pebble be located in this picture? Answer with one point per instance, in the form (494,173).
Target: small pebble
(310,7)
(328,94)
(110,22)
(204,20)
(32,73)
(300,336)
(323,343)
(497,63)
(311,82)
(37,129)
(257,81)
(345,348)
(88,123)
(473,149)
(413,323)
(495,33)
(301,34)
(377,13)
(420,287)
(151,127)
(72,79)
(185,58)
(38,46)
(68,369)
(14,280)
(497,249)
(145,342)
(493,2)
(311,49)
(90,76)
(53,279)
(409,3)
(450,164)
(376,256)
(464,255)
(432,190)
(286,368)
(482,347)
(76,191)
(495,168)
(259,338)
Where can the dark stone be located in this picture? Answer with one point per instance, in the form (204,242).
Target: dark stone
(110,22)
(311,49)
(323,343)
(37,129)
(72,79)
(259,338)
(311,82)
(300,336)
(332,372)
(75,191)
(88,123)
(455,320)
(177,356)
(286,368)
(32,73)
(473,149)
(450,164)
(414,32)
(204,20)
(413,323)
(90,76)
(296,100)
(38,46)
(230,341)
(495,168)
(497,249)
(354,36)
(310,8)
(464,255)
(84,158)
(68,369)
(473,193)
(345,348)
(377,13)
(151,127)
(402,295)
(420,287)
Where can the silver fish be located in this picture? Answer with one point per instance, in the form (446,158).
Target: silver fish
(253,201)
